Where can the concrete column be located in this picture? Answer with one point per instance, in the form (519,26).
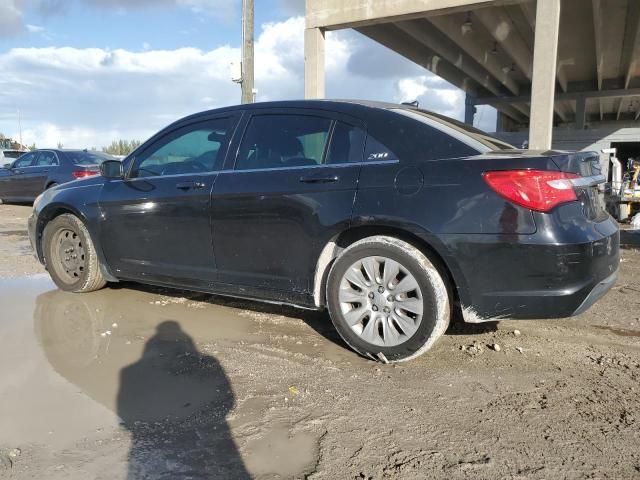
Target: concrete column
(500,120)
(543,88)
(314,63)
(469,109)
(581,113)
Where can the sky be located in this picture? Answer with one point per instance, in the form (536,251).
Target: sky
(86,72)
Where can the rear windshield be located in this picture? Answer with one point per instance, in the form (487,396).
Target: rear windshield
(478,135)
(13,154)
(88,158)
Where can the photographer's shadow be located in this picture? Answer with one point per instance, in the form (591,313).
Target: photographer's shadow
(174,401)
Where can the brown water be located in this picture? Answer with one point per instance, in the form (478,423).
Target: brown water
(76,364)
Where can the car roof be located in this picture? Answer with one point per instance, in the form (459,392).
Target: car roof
(341,106)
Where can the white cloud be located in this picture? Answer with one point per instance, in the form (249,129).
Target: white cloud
(34,28)
(87,97)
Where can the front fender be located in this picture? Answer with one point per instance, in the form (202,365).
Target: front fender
(79,200)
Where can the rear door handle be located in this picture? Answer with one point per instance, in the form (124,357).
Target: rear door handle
(190,185)
(319,179)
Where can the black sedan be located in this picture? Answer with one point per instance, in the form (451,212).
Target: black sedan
(391,217)
(34,172)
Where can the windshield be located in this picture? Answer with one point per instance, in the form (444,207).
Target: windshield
(482,137)
(88,158)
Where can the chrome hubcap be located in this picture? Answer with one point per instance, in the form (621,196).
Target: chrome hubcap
(381,301)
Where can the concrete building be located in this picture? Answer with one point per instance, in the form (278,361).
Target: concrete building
(561,73)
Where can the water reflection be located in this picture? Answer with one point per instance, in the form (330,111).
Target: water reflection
(171,397)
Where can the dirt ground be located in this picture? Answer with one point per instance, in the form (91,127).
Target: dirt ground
(135,382)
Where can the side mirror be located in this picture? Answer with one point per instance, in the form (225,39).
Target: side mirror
(112,169)
(7,165)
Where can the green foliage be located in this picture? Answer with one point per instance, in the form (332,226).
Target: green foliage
(121,147)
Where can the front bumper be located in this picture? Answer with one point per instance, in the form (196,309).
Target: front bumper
(524,277)
(32,223)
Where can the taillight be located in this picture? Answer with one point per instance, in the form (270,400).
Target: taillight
(539,190)
(83,173)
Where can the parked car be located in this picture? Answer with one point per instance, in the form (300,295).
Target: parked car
(389,216)
(32,173)
(9,155)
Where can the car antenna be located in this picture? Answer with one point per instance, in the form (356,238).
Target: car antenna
(415,103)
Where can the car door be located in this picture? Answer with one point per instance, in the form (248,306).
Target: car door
(156,222)
(286,197)
(45,163)
(14,181)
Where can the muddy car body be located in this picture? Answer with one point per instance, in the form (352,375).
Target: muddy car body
(389,216)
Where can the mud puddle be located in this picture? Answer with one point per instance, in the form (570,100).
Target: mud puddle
(143,366)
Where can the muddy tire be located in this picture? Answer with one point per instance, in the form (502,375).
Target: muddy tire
(387,300)
(70,256)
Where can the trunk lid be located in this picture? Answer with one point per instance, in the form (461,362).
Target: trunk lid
(589,187)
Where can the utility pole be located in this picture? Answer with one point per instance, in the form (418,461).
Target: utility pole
(20,127)
(247,51)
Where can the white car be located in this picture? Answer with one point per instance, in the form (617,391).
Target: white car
(8,156)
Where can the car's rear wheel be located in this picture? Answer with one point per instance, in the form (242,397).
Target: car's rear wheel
(387,300)
(70,256)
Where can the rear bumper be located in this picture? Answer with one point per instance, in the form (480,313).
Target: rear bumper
(526,277)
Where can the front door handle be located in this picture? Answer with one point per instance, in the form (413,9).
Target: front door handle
(190,185)
(319,179)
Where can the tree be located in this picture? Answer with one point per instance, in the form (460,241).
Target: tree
(60,144)
(33,146)
(121,147)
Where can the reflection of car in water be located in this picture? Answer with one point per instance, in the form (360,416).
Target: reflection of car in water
(163,392)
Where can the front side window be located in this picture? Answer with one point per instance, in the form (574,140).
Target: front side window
(24,161)
(277,141)
(196,148)
(46,159)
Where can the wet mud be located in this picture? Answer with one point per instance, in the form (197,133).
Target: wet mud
(135,382)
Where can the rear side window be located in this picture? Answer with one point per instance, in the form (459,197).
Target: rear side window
(347,144)
(88,158)
(376,151)
(46,159)
(281,140)
(392,136)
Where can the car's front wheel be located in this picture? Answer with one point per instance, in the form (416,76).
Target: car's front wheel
(70,256)
(387,300)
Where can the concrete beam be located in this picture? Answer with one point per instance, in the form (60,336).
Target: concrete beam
(337,14)
(427,34)
(476,47)
(392,37)
(499,25)
(544,74)
(571,95)
(400,42)
(314,60)
(631,45)
(529,10)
